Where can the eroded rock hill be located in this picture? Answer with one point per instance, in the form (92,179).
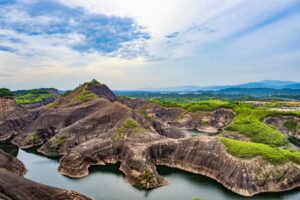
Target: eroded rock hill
(12,118)
(14,186)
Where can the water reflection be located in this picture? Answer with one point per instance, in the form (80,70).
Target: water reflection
(9,148)
(194,132)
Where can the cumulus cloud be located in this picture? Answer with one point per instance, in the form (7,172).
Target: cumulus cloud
(84,31)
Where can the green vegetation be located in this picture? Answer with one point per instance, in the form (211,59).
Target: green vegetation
(207,105)
(147,178)
(4,92)
(59,141)
(249,123)
(94,81)
(79,95)
(56,143)
(143,112)
(31,137)
(33,96)
(248,150)
(248,120)
(128,128)
(53,104)
(84,96)
(292,126)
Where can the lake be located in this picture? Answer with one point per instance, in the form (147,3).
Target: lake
(108,183)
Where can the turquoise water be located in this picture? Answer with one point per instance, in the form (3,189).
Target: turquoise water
(108,183)
(194,132)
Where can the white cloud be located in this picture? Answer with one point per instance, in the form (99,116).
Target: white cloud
(218,41)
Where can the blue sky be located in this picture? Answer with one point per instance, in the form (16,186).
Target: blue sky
(147,43)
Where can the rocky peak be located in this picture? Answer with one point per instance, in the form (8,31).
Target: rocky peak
(84,93)
(101,90)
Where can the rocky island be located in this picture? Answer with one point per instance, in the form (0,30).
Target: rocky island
(90,125)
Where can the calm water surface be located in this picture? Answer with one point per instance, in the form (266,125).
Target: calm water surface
(108,183)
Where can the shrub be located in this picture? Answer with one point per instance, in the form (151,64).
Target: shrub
(146,179)
(291,125)
(86,96)
(94,81)
(59,141)
(128,128)
(31,137)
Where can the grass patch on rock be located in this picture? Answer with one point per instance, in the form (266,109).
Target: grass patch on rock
(146,179)
(31,137)
(249,123)
(84,97)
(129,127)
(292,126)
(247,150)
(205,105)
(55,144)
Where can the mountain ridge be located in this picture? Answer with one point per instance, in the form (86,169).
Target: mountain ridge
(274,84)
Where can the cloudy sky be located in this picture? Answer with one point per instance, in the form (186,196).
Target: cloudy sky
(147,43)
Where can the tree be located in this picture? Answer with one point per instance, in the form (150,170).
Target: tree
(4,92)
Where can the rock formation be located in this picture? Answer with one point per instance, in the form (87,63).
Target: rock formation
(279,122)
(14,186)
(12,164)
(201,155)
(12,118)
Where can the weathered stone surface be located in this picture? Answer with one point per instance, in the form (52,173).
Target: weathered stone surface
(14,186)
(12,118)
(165,120)
(201,155)
(278,122)
(101,90)
(10,163)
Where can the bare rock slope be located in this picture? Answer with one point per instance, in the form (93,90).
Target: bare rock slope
(12,118)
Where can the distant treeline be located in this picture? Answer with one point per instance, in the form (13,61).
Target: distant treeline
(4,92)
(225,94)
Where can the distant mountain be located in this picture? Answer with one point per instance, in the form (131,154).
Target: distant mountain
(172,89)
(275,84)
(258,92)
(293,86)
(267,84)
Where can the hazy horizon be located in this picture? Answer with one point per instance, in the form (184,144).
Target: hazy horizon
(147,43)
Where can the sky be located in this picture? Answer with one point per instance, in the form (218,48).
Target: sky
(147,43)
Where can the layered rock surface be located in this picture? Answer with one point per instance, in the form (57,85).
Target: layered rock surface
(12,118)
(12,164)
(14,186)
(279,122)
(201,155)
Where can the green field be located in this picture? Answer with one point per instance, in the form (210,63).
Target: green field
(32,96)
(265,141)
